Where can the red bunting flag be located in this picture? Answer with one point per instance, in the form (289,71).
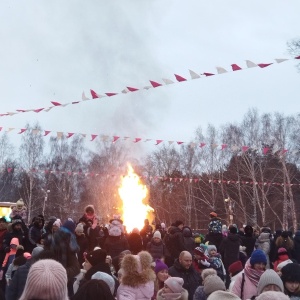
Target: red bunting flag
(115,138)
(208,74)
(111,94)
(38,110)
(155,84)
(235,67)
(9,170)
(47,132)
(284,151)
(70,134)
(22,130)
(94,94)
(158,142)
(223,146)
(245,148)
(179,143)
(55,103)
(21,110)
(179,78)
(131,89)
(264,65)
(202,145)
(76,102)
(136,140)
(266,150)
(93,136)
(297,57)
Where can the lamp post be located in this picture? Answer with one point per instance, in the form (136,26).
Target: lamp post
(45,200)
(230,209)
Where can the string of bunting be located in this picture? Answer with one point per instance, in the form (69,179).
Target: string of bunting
(114,139)
(154,84)
(155,178)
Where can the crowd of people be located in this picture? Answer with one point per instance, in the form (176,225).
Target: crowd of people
(54,260)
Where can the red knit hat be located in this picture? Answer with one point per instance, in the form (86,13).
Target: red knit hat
(235,267)
(213,214)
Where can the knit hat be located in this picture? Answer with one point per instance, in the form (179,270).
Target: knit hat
(157,234)
(107,278)
(211,247)
(213,283)
(27,255)
(177,223)
(235,267)
(96,256)
(70,225)
(79,228)
(213,214)
(57,223)
(282,251)
(175,284)
(208,272)
(290,272)
(47,279)
(258,256)
(36,251)
(271,295)
(284,263)
(269,277)
(163,225)
(159,266)
(199,250)
(217,295)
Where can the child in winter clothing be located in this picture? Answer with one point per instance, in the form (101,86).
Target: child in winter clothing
(173,290)
(156,247)
(10,256)
(282,255)
(214,261)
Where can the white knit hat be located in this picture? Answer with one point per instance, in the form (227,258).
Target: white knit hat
(269,277)
(79,228)
(157,234)
(107,278)
(47,279)
(271,295)
(175,284)
(284,263)
(217,295)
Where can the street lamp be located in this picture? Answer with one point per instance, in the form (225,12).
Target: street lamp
(45,200)
(230,209)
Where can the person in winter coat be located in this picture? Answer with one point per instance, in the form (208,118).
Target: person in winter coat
(200,254)
(135,241)
(246,282)
(146,233)
(234,269)
(282,255)
(162,274)
(46,277)
(297,246)
(224,295)
(199,293)
(290,276)
(248,240)
(211,284)
(35,233)
(183,268)
(17,284)
(138,278)
(230,249)
(82,242)
(174,242)
(284,241)
(263,243)
(188,240)
(214,236)
(3,230)
(156,247)
(173,290)
(19,231)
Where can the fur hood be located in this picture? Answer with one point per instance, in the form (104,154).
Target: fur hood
(137,269)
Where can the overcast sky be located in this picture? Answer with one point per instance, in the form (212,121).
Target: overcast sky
(54,50)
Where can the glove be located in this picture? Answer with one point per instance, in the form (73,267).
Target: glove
(205,263)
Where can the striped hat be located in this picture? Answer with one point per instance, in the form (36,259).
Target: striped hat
(47,279)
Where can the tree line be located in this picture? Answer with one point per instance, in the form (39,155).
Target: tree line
(185,182)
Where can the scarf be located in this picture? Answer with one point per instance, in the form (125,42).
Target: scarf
(252,274)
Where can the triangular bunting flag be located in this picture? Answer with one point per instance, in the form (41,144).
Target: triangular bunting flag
(84,97)
(111,94)
(35,131)
(223,146)
(47,132)
(94,94)
(264,65)
(136,140)
(59,134)
(158,142)
(235,67)
(280,60)
(194,75)
(115,138)
(70,134)
(155,84)
(38,110)
(245,148)
(93,136)
(250,64)
(221,70)
(22,130)
(208,74)
(179,78)
(55,103)
(266,150)
(202,145)
(132,89)
(10,129)
(167,81)
(179,143)
(170,142)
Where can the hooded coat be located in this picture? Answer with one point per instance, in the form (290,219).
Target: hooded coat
(138,279)
(230,249)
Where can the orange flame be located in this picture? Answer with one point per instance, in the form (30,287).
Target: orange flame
(133,193)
